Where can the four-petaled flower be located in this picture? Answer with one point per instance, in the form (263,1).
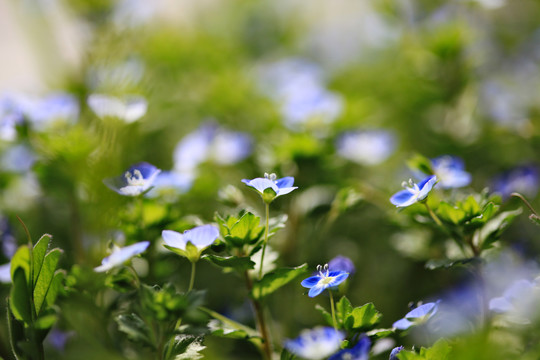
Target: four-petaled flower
(326,279)
(192,242)
(413,192)
(135,181)
(270,187)
(450,171)
(315,344)
(417,316)
(360,351)
(121,255)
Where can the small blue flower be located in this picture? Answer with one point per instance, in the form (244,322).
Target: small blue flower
(135,181)
(315,344)
(129,108)
(270,182)
(171,183)
(54,107)
(19,158)
(413,192)
(522,179)
(359,352)
(5,273)
(121,255)
(341,263)
(518,293)
(394,352)
(318,104)
(450,171)
(201,237)
(230,147)
(417,316)
(326,279)
(367,147)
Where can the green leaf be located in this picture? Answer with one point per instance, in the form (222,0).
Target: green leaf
(135,328)
(122,280)
(56,287)
(441,350)
(326,315)
(46,322)
(21,259)
(191,252)
(45,277)
(16,331)
(435,264)
(20,297)
(379,333)
(363,317)
(222,329)
(186,347)
(450,213)
(38,254)
(235,262)
(276,279)
(344,308)
(247,230)
(492,230)
(420,163)
(470,206)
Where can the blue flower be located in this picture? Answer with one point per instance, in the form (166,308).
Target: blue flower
(341,263)
(326,279)
(518,293)
(417,316)
(5,273)
(315,344)
(359,352)
(170,183)
(318,105)
(121,255)
(394,352)
(450,171)
(129,108)
(522,179)
(19,158)
(230,147)
(413,192)
(54,107)
(368,147)
(192,242)
(270,187)
(135,181)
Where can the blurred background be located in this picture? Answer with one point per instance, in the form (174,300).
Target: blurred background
(339,94)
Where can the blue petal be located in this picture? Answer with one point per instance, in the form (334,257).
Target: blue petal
(341,263)
(426,185)
(285,182)
(284,191)
(174,239)
(316,290)
(402,198)
(422,310)
(202,236)
(310,281)
(260,184)
(402,324)
(147,170)
(500,305)
(394,352)
(340,277)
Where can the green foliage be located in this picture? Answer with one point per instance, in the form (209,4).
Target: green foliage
(420,163)
(165,303)
(355,319)
(236,263)
(275,280)
(441,350)
(122,280)
(184,347)
(135,329)
(241,230)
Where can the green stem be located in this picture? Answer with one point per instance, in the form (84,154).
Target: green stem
(433,216)
(192,279)
(267,208)
(261,322)
(459,242)
(518,195)
(332,309)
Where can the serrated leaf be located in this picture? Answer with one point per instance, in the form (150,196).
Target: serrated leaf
(45,278)
(364,317)
(343,310)
(20,297)
(276,279)
(450,213)
(184,347)
(235,262)
(135,328)
(38,254)
(21,259)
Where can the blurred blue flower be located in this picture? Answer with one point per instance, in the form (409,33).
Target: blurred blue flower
(413,192)
(326,279)
(522,179)
(121,255)
(450,170)
(417,316)
(518,292)
(54,107)
(9,242)
(135,181)
(19,158)
(317,105)
(315,344)
(125,74)
(58,338)
(366,147)
(279,187)
(171,183)
(5,273)
(230,147)
(11,115)
(129,108)
(342,263)
(394,352)
(201,237)
(360,351)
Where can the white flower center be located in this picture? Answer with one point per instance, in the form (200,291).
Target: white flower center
(323,273)
(135,178)
(272,177)
(411,187)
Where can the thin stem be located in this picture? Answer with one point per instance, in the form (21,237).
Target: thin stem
(192,279)
(518,195)
(433,216)
(267,208)
(332,308)
(261,322)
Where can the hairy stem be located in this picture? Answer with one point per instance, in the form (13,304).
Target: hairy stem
(192,279)
(261,322)
(267,208)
